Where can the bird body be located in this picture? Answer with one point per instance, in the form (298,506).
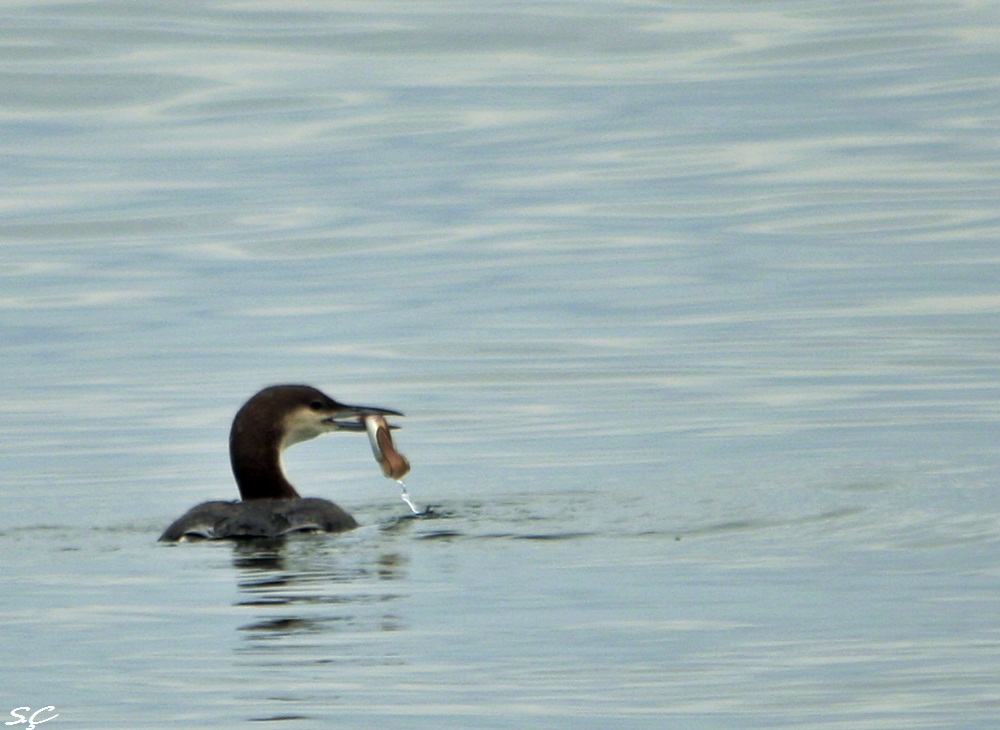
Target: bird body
(272,420)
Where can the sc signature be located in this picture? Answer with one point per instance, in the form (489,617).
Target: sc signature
(22,716)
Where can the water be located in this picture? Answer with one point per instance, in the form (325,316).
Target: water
(405,496)
(692,310)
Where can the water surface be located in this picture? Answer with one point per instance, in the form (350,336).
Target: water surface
(692,310)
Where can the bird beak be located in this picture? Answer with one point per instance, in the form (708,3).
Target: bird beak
(352,418)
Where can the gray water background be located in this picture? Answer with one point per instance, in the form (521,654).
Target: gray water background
(693,309)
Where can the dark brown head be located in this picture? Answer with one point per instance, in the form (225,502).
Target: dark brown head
(276,418)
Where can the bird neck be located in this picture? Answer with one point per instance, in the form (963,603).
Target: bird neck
(256,461)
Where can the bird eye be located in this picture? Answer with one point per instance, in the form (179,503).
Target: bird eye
(316,405)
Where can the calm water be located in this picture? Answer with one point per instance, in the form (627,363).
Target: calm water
(693,308)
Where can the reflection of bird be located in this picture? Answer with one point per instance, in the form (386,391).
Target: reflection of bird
(267,424)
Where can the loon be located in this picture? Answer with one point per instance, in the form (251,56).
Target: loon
(272,420)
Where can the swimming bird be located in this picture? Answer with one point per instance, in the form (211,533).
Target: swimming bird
(272,420)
